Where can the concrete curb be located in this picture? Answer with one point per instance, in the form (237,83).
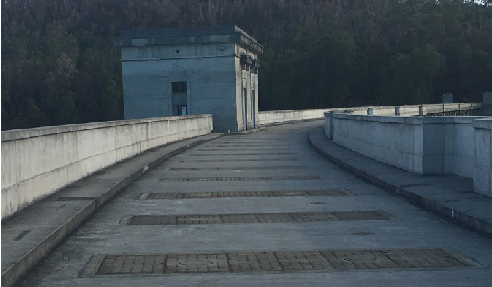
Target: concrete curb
(477,225)
(26,263)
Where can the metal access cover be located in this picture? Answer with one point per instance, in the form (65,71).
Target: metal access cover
(239,178)
(280,167)
(70,198)
(238,160)
(222,194)
(191,219)
(277,261)
(240,154)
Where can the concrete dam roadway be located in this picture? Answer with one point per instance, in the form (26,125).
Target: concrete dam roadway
(263,209)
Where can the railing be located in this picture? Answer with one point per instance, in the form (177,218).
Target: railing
(283,116)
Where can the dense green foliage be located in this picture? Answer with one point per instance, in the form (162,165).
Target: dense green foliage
(59,65)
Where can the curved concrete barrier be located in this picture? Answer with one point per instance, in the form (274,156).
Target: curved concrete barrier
(423,145)
(285,116)
(37,162)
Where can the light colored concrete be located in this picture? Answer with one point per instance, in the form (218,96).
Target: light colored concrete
(413,110)
(328,127)
(448,196)
(284,116)
(424,145)
(482,176)
(37,162)
(411,227)
(31,234)
(273,117)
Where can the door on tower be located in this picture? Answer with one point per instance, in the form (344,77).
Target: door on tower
(179,98)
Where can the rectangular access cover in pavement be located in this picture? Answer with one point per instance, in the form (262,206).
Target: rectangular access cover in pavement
(229,194)
(276,261)
(187,219)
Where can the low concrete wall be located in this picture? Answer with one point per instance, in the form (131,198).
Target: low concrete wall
(424,145)
(273,117)
(459,146)
(283,116)
(37,162)
(482,176)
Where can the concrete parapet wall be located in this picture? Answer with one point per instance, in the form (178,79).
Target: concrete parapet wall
(282,116)
(482,176)
(273,117)
(37,162)
(424,145)
(437,145)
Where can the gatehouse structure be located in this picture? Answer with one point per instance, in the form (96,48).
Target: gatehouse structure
(191,71)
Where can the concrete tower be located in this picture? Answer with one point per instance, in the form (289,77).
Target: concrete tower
(189,71)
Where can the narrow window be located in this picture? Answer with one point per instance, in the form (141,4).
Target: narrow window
(175,87)
(183,87)
(179,87)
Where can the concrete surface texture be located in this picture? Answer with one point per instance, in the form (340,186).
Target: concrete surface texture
(29,235)
(280,116)
(424,145)
(450,197)
(406,247)
(37,162)
(482,176)
(207,59)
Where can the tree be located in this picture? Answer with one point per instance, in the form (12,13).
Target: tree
(59,64)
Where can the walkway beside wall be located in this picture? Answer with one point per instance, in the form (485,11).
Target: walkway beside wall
(450,197)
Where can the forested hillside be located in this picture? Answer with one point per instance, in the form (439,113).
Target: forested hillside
(59,65)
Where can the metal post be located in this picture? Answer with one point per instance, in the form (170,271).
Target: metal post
(397,111)
(369,111)
(421,110)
